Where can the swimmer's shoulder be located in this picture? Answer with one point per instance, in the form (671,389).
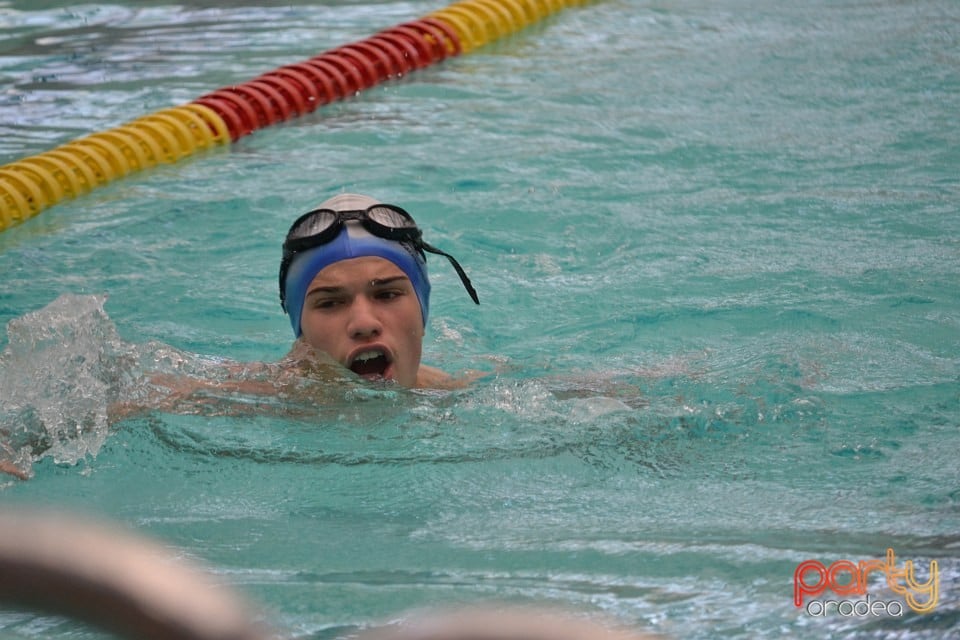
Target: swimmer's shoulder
(433,378)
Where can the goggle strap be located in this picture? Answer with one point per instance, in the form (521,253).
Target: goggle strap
(456,265)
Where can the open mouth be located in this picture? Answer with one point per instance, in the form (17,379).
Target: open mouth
(372,363)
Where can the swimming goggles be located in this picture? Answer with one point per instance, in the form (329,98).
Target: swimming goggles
(320,226)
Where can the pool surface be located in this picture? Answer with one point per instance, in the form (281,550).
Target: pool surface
(717,248)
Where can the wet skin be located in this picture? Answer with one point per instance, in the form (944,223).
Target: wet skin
(364,313)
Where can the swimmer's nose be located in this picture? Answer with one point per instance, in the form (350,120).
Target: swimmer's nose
(364,322)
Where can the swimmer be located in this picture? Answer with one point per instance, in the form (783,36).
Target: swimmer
(353,281)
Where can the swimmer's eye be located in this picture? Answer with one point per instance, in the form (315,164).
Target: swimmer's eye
(389,294)
(326,303)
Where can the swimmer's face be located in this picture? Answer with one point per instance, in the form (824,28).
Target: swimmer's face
(365,314)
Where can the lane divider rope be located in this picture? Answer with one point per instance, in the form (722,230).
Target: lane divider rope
(30,185)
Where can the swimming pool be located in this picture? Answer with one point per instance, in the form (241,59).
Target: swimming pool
(716,245)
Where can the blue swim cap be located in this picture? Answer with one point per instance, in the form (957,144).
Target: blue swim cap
(353,241)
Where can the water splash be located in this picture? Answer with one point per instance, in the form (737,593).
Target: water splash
(61,369)
(66,375)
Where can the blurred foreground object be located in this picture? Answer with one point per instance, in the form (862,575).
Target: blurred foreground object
(505,622)
(124,584)
(73,566)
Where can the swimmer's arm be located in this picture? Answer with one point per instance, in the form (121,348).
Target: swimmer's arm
(235,387)
(7,456)
(186,394)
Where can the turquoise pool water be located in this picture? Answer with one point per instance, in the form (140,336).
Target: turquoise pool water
(717,246)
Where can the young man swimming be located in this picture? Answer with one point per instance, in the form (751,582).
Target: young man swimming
(353,280)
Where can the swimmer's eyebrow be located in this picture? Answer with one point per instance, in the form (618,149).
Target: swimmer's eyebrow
(325,290)
(382,282)
(376,282)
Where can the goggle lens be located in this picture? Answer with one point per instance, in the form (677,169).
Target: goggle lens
(314,223)
(390,217)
